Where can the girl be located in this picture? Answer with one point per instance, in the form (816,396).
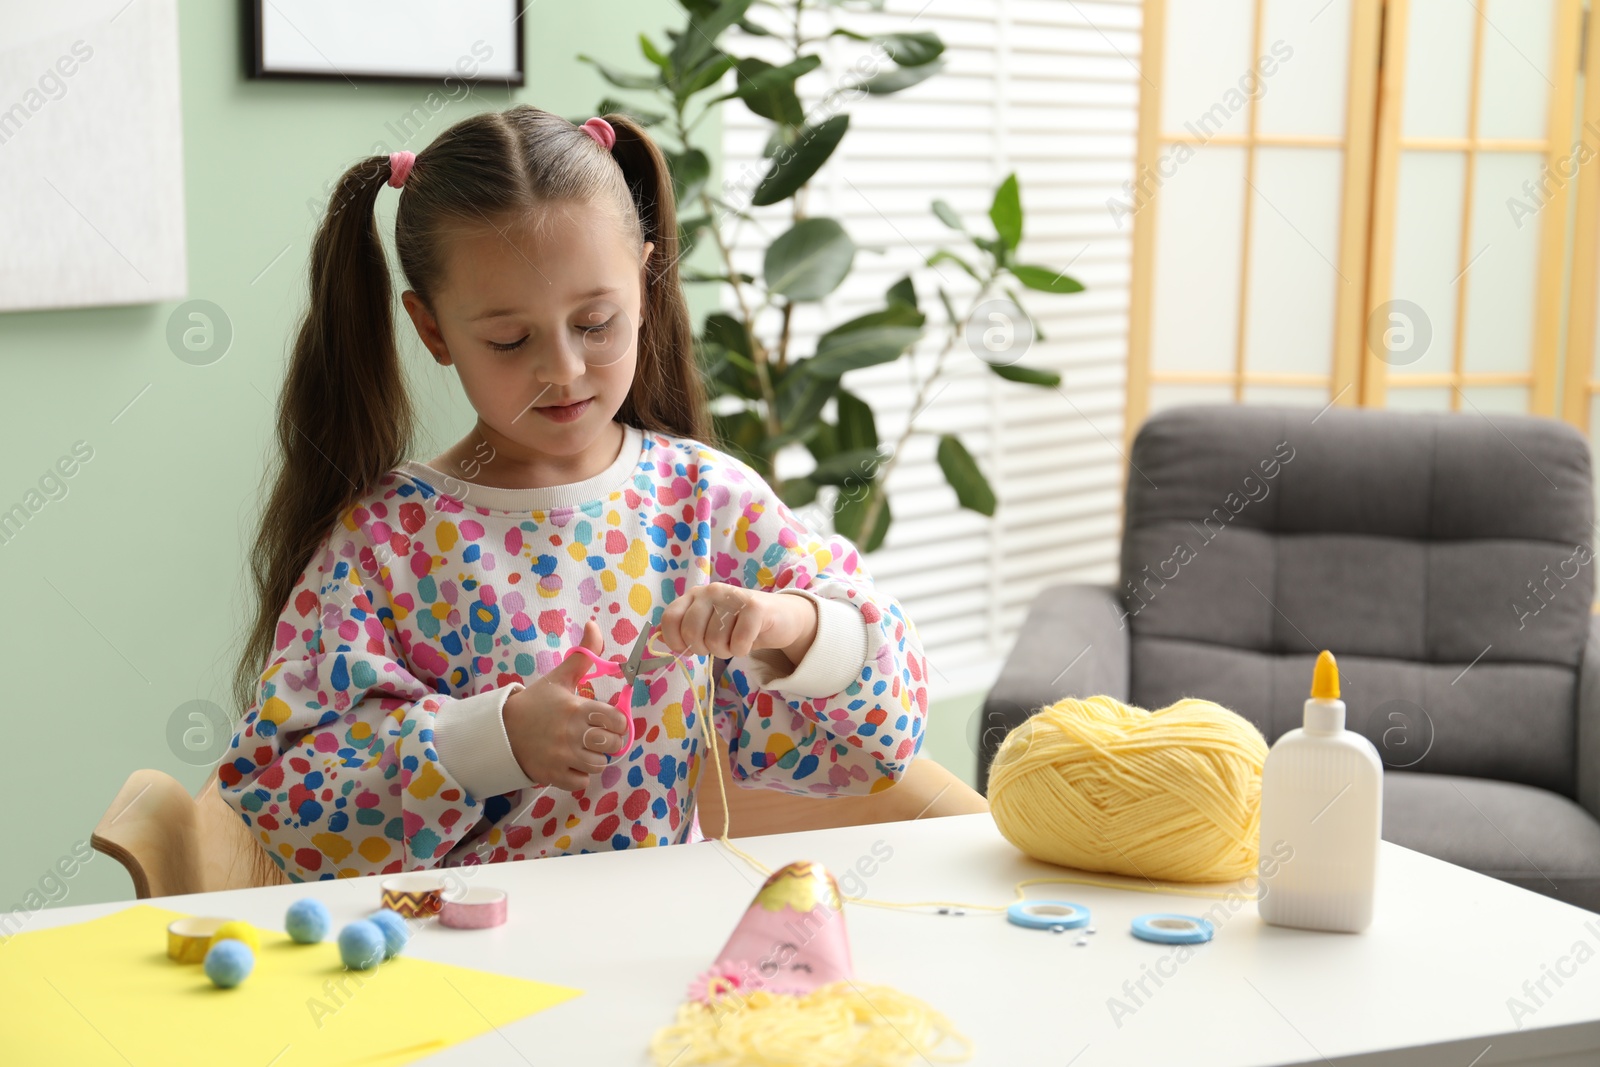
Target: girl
(412,702)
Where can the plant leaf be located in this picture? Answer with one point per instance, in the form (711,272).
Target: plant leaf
(1006,212)
(860,464)
(758,77)
(741,433)
(804,158)
(1025,375)
(898,78)
(653,54)
(622,79)
(948,216)
(810,260)
(1033,323)
(838,353)
(964,475)
(690,171)
(911,49)
(892,315)
(704,76)
(725,330)
(904,292)
(798,492)
(706,24)
(773,98)
(609,106)
(857,426)
(1045,280)
(945,255)
(801,398)
(850,510)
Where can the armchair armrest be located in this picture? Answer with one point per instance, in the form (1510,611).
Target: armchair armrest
(1074,642)
(1588,709)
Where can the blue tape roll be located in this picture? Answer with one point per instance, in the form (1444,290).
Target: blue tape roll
(1048,914)
(1172,929)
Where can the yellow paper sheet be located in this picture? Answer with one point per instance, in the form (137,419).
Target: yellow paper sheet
(104,992)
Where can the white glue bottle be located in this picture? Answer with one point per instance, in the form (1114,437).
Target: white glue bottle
(1321,818)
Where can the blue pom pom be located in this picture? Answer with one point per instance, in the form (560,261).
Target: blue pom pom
(395,931)
(361,945)
(308,921)
(229,962)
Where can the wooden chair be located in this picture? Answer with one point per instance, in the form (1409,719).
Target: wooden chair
(172,842)
(927,791)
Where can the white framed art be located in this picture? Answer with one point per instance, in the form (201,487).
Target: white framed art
(386,40)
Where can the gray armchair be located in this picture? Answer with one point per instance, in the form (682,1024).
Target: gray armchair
(1445,559)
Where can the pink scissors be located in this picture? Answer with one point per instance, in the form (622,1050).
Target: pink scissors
(628,671)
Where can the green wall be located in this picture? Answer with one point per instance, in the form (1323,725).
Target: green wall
(126,593)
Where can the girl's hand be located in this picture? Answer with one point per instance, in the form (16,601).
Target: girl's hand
(724,620)
(560,738)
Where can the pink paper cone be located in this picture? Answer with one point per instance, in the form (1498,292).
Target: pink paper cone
(791,940)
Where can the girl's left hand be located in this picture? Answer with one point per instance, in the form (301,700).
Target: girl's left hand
(725,620)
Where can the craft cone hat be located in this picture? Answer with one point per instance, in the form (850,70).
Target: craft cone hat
(792,937)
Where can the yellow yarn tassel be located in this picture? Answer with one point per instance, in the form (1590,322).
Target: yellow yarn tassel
(839,1025)
(1098,785)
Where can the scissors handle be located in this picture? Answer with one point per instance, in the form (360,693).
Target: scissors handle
(624,699)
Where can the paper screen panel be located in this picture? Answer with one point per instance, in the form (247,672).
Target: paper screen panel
(1294,248)
(1208,56)
(1501,283)
(1195,309)
(1438,69)
(1427,237)
(1306,94)
(1516,80)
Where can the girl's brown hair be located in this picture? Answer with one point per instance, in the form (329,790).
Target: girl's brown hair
(345,417)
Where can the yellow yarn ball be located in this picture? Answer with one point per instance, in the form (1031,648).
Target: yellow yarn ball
(1095,784)
(239,930)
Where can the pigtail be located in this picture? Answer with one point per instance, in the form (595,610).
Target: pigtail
(344,414)
(667,394)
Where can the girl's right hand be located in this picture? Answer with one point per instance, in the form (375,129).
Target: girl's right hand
(560,738)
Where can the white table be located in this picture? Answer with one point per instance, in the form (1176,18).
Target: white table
(1427,984)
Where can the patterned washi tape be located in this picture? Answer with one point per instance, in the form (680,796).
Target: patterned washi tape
(475,909)
(1048,914)
(189,938)
(1172,929)
(413,896)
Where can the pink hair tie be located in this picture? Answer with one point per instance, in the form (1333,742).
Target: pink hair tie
(400,166)
(601,131)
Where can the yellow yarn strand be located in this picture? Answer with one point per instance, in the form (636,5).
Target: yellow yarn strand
(840,1024)
(1180,788)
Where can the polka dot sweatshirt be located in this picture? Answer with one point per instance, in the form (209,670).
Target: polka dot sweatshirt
(376,744)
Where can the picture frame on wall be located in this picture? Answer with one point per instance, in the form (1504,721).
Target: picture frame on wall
(477,41)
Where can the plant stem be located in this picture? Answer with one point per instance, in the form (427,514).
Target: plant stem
(882,480)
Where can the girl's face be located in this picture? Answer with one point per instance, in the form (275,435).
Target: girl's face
(542,328)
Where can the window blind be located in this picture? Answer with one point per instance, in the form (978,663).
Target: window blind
(1048,89)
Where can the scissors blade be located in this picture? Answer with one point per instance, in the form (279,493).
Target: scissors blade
(630,669)
(638,661)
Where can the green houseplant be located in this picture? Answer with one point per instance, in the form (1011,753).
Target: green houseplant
(764,396)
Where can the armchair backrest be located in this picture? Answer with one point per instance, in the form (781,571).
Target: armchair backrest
(1445,559)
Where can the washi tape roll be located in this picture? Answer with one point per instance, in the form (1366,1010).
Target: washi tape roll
(189,938)
(475,909)
(1172,929)
(1048,914)
(415,896)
